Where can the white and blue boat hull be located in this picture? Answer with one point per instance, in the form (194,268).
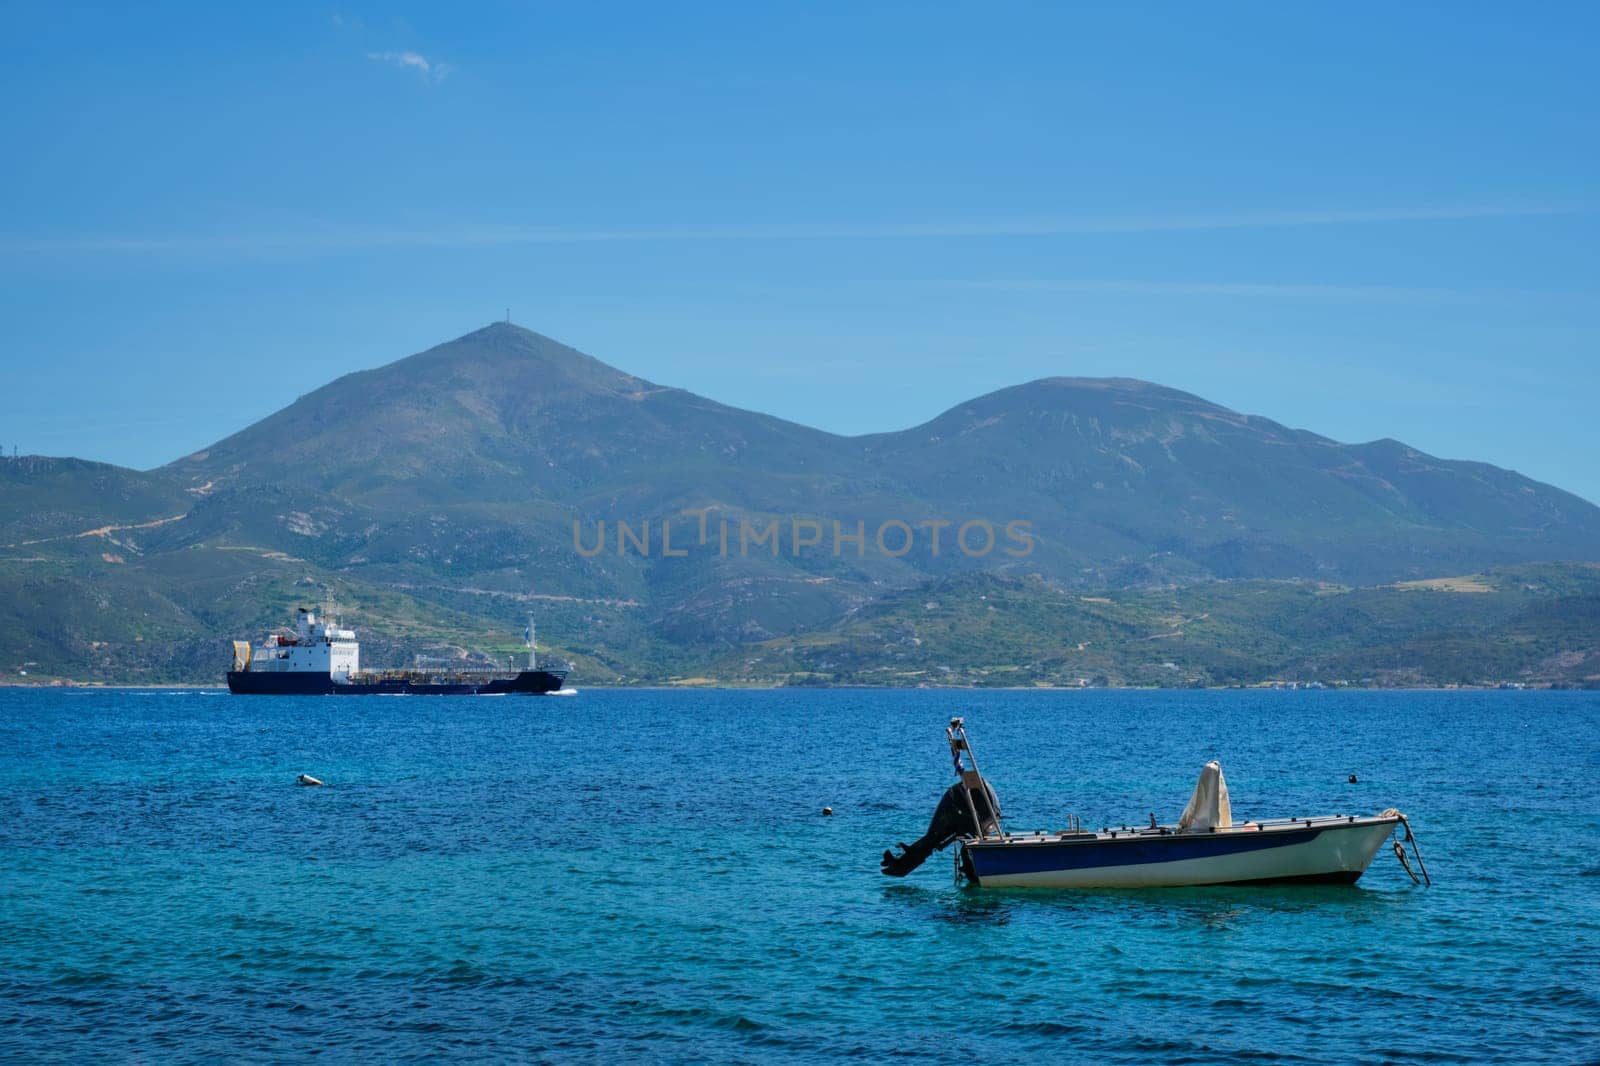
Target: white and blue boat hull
(1335,850)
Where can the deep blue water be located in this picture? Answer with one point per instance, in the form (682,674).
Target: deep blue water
(647,875)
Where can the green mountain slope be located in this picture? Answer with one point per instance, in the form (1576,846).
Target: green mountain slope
(1536,624)
(445,488)
(45,499)
(1119,473)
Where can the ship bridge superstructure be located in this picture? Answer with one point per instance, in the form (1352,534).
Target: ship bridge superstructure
(317,646)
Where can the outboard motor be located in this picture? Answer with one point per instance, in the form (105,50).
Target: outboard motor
(953,818)
(968,808)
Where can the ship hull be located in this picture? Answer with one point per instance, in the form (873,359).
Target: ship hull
(306,683)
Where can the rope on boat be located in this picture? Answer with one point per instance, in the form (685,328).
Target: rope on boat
(1400,853)
(1400,850)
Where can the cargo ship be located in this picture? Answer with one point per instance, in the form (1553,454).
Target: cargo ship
(322,659)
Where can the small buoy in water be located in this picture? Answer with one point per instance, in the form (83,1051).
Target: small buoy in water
(1352,779)
(827,811)
(306,779)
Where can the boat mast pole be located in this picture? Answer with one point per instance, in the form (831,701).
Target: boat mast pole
(532,639)
(957,734)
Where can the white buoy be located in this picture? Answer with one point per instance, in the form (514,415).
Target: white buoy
(306,779)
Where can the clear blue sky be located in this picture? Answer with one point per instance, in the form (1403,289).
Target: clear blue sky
(1365,221)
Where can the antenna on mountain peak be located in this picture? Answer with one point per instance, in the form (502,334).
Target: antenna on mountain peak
(508,316)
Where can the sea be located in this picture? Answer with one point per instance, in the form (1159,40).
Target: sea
(648,876)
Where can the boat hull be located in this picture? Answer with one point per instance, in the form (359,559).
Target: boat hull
(305,683)
(1330,851)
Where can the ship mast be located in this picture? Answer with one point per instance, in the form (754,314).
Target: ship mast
(529,635)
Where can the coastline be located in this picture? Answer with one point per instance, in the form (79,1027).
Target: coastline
(656,686)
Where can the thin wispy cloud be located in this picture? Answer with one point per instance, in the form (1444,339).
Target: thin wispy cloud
(1244,289)
(329,240)
(414,61)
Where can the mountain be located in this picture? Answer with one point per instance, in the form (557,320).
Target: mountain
(469,463)
(501,415)
(1117,477)
(455,488)
(1124,477)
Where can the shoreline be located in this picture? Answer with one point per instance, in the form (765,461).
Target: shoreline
(773,686)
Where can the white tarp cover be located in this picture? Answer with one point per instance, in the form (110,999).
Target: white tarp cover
(1209,805)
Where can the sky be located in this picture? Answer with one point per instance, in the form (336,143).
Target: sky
(1366,221)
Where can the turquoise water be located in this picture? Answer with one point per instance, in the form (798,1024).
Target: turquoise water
(647,875)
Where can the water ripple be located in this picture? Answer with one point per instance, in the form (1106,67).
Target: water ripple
(646,876)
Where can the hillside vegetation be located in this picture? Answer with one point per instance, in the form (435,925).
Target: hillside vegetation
(1132,534)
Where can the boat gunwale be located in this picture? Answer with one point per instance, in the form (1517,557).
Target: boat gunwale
(1130,834)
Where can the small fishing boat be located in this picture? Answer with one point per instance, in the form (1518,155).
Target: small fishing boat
(1204,847)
